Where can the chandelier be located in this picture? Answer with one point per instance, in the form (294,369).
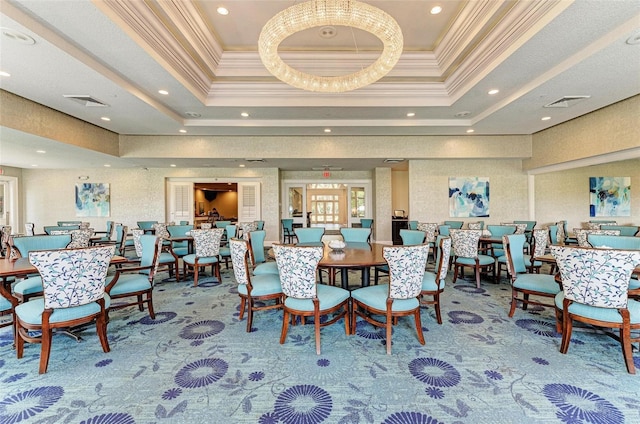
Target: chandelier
(317,13)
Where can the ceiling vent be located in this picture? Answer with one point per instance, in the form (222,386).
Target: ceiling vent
(255,160)
(85,100)
(567,101)
(326,168)
(393,160)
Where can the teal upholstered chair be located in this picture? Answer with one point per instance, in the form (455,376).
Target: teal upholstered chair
(230,231)
(433,282)
(443,230)
(146,226)
(595,285)
(497,231)
(409,238)
(108,233)
(259,225)
(366,222)
(540,241)
(222,224)
(73,282)
(288,235)
(625,230)
(582,235)
(614,242)
(303,297)
(523,284)
(412,225)
(31,286)
(254,290)
(206,244)
(180,248)
(465,246)
(309,235)
(455,225)
(397,299)
(257,256)
(7,303)
(553,234)
(137,282)
(358,235)
(183,223)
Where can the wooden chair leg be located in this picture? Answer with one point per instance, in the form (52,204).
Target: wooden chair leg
(416,315)
(388,326)
(152,313)
(316,325)
(514,302)
(285,327)
(567,327)
(196,270)
(45,349)
(477,277)
(243,302)
(101,329)
(436,306)
(625,341)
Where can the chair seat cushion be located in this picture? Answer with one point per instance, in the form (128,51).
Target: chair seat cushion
(527,261)
(376,297)
(31,312)
(329,297)
(5,305)
(266,268)
(191,259)
(181,251)
(543,283)
(130,283)
(225,251)
(383,268)
(429,282)
(483,260)
(166,258)
(634,284)
(29,286)
(262,285)
(601,314)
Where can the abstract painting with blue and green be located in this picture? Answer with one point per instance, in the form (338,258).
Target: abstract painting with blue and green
(468,197)
(609,196)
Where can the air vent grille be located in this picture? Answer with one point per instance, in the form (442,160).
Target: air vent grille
(566,101)
(85,100)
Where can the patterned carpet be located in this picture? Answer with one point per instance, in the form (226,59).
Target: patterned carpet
(196,364)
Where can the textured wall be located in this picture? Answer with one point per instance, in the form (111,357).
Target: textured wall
(429,188)
(565,195)
(382,189)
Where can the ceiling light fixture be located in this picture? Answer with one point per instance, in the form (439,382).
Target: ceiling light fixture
(106,165)
(222,11)
(411,114)
(327,130)
(545,118)
(183,131)
(244,114)
(435,10)
(163,92)
(4,74)
(318,13)
(105,118)
(173,165)
(41,151)
(470,130)
(494,91)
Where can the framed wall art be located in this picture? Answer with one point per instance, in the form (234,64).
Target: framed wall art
(92,199)
(468,197)
(609,196)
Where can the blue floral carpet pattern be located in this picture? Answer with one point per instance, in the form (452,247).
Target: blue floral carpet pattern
(196,364)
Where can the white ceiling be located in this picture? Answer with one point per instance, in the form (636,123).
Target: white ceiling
(122,52)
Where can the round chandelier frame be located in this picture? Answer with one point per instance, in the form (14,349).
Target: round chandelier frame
(318,13)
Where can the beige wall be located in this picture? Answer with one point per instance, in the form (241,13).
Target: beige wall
(400,191)
(429,188)
(565,195)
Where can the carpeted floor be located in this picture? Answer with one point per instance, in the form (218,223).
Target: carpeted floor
(196,364)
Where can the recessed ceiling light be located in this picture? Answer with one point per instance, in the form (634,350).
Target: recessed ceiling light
(435,10)
(34,165)
(173,165)
(494,91)
(4,74)
(17,36)
(183,131)
(470,130)
(411,114)
(163,92)
(327,130)
(463,114)
(105,118)
(634,39)
(222,11)
(244,114)
(192,114)
(41,151)
(546,118)
(241,165)
(106,165)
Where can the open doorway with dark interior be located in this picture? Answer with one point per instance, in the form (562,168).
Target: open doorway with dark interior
(215,201)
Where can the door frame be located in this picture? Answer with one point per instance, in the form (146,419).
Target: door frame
(13,196)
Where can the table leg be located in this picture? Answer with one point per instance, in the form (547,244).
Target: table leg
(366,275)
(344,276)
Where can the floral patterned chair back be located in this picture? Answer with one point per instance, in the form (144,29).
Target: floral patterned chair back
(160,230)
(239,258)
(430,229)
(207,242)
(206,226)
(246,227)
(5,234)
(406,269)
(520,228)
(136,234)
(562,232)
(540,242)
(80,238)
(596,277)
(297,265)
(465,242)
(72,277)
(443,256)
(29,228)
(583,235)
(476,225)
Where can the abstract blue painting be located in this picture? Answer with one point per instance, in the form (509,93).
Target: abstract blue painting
(609,196)
(468,197)
(92,199)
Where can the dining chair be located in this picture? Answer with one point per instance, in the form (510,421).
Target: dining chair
(80,238)
(309,234)
(476,225)
(259,225)
(230,231)
(167,257)
(625,230)
(525,283)
(73,282)
(595,286)
(433,282)
(180,248)
(357,235)
(615,242)
(108,233)
(29,229)
(430,232)
(409,238)
(582,235)
(444,230)
(397,299)
(256,254)
(206,244)
(254,290)
(497,231)
(303,297)
(137,281)
(146,226)
(244,228)
(288,235)
(465,246)
(540,242)
(455,225)
(366,223)
(412,225)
